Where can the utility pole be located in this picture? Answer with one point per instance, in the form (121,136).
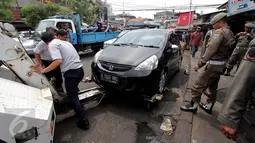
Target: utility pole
(190,14)
(123,7)
(123,18)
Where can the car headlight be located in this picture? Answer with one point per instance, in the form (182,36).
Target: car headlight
(149,64)
(97,55)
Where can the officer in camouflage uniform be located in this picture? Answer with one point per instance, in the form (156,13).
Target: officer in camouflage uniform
(244,38)
(217,53)
(238,111)
(206,40)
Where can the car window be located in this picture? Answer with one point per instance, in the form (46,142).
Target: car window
(174,39)
(143,37)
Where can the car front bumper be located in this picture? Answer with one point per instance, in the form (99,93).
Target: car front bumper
(142,82)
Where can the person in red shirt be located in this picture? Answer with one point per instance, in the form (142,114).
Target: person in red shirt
(196,40)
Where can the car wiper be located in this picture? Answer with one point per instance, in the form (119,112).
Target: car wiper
(150,46)
(121,44)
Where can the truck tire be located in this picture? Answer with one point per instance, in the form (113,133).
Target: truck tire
(95,50)
(77,47)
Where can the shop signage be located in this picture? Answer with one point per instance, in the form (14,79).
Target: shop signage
(239,6)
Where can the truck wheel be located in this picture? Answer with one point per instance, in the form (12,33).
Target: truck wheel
(95,50)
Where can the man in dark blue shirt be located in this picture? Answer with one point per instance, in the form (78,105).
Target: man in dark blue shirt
(99,26)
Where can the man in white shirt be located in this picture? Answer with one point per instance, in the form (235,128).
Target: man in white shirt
(43,58)
(64,55)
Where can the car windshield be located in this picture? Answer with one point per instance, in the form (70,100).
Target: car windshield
(26,34)
(146,38)
(44,24)
(122,33)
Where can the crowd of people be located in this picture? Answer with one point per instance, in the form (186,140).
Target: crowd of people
(105,26)
(221,50)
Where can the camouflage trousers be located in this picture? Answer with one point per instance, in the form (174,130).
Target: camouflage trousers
(207,84)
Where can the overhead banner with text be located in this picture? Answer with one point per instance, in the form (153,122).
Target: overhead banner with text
(239,6)
(185,19)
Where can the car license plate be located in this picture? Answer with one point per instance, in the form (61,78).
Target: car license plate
(88,94)
(109,78)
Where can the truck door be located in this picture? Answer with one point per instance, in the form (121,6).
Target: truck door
(60,25)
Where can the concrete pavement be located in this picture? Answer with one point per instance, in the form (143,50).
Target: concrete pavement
(201,127)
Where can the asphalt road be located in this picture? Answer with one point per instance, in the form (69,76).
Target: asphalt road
(122,119)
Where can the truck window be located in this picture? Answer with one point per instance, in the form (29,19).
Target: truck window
(44,24)
(60,25)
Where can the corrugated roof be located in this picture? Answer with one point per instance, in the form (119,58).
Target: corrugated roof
(223,6)
(137,20)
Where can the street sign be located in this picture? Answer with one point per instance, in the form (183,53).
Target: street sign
(239,6)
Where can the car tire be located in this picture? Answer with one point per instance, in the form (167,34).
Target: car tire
(162,82)
(150,106)
(179,65)
(95,50)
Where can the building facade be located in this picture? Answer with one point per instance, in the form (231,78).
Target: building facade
(120,19)
(21,3)
(165,15)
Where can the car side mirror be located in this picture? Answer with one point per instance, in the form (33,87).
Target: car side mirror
(175,47)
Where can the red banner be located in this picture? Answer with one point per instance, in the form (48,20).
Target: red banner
(185,19)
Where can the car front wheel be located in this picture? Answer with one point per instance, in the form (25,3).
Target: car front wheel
(162,82)
(179,65)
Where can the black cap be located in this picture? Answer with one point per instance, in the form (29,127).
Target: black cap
(47,37)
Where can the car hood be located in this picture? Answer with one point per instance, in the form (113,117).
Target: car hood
(127,55)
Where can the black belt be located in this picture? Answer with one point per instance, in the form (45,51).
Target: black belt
(72,70)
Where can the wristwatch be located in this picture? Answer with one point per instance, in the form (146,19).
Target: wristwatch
(42,71)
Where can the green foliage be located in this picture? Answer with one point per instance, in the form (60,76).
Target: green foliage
(64,11)
(35,13)
(6,9)
(87,9)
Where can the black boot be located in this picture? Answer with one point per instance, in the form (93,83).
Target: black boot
(83,124)
(207,107)
(227,72)
(191,107)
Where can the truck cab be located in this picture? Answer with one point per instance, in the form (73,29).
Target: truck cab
(57,23)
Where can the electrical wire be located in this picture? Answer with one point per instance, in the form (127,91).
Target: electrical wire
(170,8)
(120,4)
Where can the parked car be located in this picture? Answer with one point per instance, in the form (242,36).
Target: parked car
(29,45)
(140,61)
(25,35)
(109,42)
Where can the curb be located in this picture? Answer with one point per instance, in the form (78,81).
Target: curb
(183,130)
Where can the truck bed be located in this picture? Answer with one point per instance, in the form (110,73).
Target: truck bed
(96,37)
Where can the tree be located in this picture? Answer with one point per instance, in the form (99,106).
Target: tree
(6,7)
(35,13)
(87,9)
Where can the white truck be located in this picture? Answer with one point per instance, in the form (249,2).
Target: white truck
(28,104)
